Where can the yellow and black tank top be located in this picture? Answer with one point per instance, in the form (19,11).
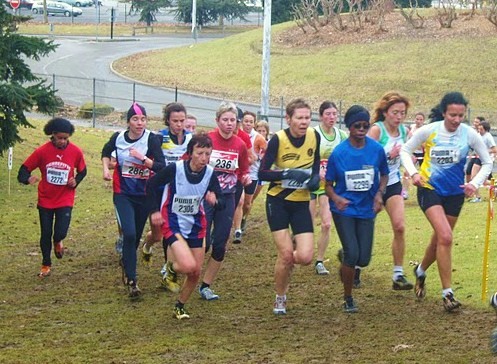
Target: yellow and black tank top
(289,156)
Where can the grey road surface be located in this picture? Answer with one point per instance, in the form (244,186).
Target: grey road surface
(81,67)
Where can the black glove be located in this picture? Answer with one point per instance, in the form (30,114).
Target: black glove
(296,175)
(313,183)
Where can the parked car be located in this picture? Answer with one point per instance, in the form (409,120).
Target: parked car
(56,7)
(78,3)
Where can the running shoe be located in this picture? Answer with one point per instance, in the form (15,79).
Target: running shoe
(208,294)
(146,254)
(59,250)
(357,278)
(238,237)
(133,290)
(419,286)
(450,302)
(170,279)
(243,225)
(279,307)
(45,271)
(402,284)
(475,199)
(349,305)
(180,313)
(321,269)
(119,245)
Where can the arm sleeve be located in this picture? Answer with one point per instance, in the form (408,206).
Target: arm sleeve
(110,146)
(157,183)
(155,152)
(79,177)
(476,142)
(23,175)
(317,155)
(216,188)
(265,171)
(408,148)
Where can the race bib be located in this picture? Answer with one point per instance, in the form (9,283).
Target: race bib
(57,177)
(444,156)
(186,205)
(359,181)
(135,170)
(224,161)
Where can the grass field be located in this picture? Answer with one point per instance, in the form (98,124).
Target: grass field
(423,67)
(81,313)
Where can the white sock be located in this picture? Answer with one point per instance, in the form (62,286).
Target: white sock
(398,271)
(446,291)
(420,272)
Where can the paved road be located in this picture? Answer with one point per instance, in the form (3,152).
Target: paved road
(80,64)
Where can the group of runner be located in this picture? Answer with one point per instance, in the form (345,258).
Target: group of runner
(190,186)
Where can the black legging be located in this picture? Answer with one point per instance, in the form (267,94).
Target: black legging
(48,229)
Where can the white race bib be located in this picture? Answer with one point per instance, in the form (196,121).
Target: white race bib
(186,205)
(224,161)
(57,177)
(359,181)
(135,170)
(444,156)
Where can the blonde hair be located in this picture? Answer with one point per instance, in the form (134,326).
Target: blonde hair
(226,106)
(386,101)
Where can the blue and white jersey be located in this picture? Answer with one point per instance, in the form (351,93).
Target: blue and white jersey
(182,204)
(132,173)
(172,151)
(389,142)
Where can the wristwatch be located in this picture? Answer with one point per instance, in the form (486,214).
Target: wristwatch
(144,159)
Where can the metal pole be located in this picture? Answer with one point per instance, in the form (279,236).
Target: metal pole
(266,54)
(94,102)
(194,20)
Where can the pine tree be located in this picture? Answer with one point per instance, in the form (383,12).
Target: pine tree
(20,90)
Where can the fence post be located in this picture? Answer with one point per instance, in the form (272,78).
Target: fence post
(94,96)
(176,94)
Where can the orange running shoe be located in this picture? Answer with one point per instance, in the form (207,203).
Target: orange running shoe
(59,250)
(45,271)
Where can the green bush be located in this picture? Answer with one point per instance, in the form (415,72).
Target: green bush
(86,110)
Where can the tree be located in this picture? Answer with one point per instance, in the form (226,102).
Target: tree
(209,11)
(148,9)
(282,10)
(20,90)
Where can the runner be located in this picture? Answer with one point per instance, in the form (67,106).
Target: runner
(230,161)
(138,153)
(259,145)
(440,182)
(180,214)
(356,179)
(294,152)
(57,159)
(388,129)
(330,136)
(174,140)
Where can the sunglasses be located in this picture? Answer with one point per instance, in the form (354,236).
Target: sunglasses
(360,125)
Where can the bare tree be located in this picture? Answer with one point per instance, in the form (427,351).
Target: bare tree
(307,13)
(491,12)
(446,13)
(412,15)
(377,11)
(356,12)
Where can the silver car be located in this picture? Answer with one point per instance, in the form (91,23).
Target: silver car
(56,8)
